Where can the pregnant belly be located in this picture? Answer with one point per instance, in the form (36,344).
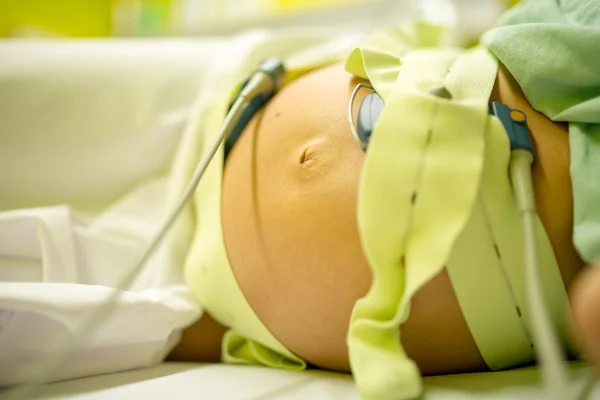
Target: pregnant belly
(289,218)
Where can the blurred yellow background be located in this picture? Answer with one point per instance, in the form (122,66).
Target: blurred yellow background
(285,5)
(93,18)
(89,18)
(63,17)
(75,18)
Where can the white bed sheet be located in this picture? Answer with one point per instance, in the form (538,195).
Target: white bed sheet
(89,131)
(228,382)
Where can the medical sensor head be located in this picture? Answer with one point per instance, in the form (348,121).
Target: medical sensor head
(275,69)
(262,85)
(370,110)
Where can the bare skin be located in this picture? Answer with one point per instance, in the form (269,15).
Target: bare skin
(289,218)
(586,313)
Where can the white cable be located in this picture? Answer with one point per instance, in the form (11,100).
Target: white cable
(40,373)
(589,382)
(549,354)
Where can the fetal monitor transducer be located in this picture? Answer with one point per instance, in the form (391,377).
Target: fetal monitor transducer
(255,92)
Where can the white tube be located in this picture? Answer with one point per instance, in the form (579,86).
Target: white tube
(549,354)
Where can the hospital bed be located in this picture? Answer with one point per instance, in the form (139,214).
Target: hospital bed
(227,382)
(173,73)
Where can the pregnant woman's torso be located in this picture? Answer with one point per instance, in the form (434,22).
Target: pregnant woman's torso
(289,219)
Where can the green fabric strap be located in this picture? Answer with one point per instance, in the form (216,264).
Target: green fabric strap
(423,149)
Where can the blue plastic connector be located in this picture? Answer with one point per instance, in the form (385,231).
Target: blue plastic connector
(515,125)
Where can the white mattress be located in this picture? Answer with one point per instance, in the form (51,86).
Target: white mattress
(227,382)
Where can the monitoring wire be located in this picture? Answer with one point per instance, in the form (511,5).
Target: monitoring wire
(550,356)
(588,384)
(264,82)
